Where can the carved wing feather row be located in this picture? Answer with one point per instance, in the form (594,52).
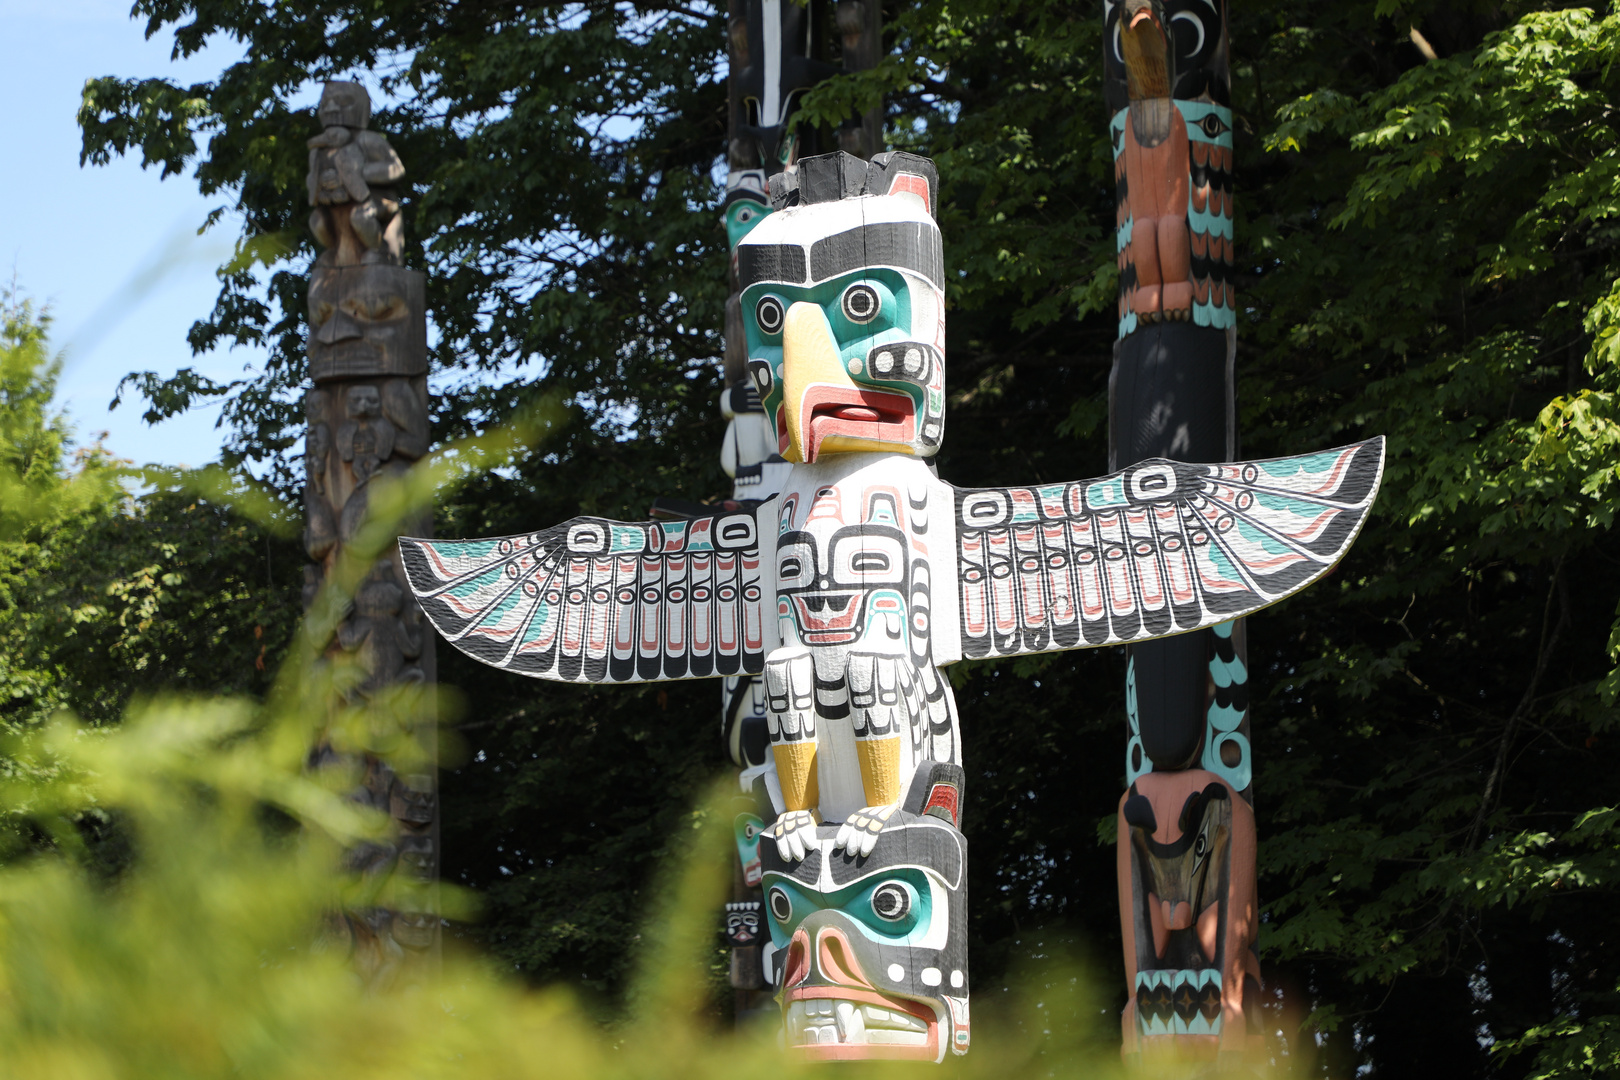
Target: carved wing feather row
(1159,548)
(597,601)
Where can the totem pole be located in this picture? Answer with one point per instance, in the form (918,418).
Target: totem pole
(1186,827)
(866,574)
(773,54)
(368,419)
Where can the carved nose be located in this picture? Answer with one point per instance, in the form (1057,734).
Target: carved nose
(340,327)
(798,959)
(837,960)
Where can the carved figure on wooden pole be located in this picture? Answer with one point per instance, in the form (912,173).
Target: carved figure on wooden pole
(1187,845)
(867,574)
(367,416)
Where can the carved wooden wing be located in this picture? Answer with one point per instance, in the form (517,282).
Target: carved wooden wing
(1157,549)
(601,601)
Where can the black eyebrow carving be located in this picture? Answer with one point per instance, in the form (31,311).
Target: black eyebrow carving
(907,245)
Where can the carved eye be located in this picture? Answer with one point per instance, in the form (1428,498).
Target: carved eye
(749,832)
(768,313)
(861,303)
(323,311)
(781,906)
(891,902)
(870,562)
(761,372)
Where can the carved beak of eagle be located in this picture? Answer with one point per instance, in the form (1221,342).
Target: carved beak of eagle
(825,410)
(1144,49)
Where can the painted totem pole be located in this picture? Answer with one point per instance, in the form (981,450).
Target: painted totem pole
(368,419)
(773,53)
(866,574)
(1188,909)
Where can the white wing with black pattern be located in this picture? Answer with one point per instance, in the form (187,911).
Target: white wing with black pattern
(1157,549)
(598,601)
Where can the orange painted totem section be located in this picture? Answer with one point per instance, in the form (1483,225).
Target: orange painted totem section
(1157,191)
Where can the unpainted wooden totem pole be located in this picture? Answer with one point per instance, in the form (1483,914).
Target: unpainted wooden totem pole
(861,578)
(367,420)
(1186,851)
(775,48)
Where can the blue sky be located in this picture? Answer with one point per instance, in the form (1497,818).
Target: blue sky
(113,250)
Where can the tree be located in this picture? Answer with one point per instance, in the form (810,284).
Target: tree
(1425,222)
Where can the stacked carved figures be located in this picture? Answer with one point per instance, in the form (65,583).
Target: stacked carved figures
(852,587)
(773,55)
(368,419)
(1186,852)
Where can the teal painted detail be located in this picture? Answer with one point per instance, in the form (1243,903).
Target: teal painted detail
(1284,505)
(1205,222)
(1105,494)
(537,624)
(746,829)
(1224,717)
(873,615)
(1116,131)
(1122,235)
(1051,492)
(1137,763)
(1293,466)
(493,576)
(1239,775)
(1268,543)
(1224,720)
(627,538)
(465,549)
(673,532)
(508,602)
(855,340)
(1222,563)
(1196,112)
(855,901)
(1024,512)
(1127,325)
(1216,316)
(742,217)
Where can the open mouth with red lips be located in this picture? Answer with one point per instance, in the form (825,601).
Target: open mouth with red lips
(875,415)
(830,616)
(842,1016)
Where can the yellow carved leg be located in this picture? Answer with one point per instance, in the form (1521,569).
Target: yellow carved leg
(880,769)
(796,772)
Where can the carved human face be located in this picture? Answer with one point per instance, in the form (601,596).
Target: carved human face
(747,203)
(366,320)
(844,314)
(874,950)
(843,566)
(362,403)
(344,104)
(742,923)
(746,829)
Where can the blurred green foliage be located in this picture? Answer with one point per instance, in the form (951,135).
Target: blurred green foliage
(198,952)
(1428,251)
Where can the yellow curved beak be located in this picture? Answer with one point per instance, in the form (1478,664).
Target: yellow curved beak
(809,357)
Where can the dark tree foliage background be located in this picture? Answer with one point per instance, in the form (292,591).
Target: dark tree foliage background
(1427,204)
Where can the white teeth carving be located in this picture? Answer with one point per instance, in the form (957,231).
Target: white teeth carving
(819,1021)
(851,1024)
